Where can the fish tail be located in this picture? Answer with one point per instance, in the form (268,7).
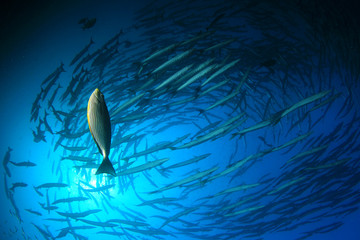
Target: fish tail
(106,167)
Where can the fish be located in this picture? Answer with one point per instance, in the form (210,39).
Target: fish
(295,140)
(160,52)
(219,45)
(244,211)
(69,135)
(127,104)
(162,200)
(100,224)
(6,161)
(286,185)
(100,129)
(235,92)
(33,212)
(74,148)
(76,215)
(276,117)
(214,87)
(174,76)
(192,160)
(173,60)
(129,222)
(186,180)
(311,151)
(143,167)
(221,70)
(17,184)
(176,216)
(52,185)
(197,76)
(211,135)
(150,150)
(70,199)
(78,158)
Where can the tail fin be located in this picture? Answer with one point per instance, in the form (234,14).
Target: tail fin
(106,167)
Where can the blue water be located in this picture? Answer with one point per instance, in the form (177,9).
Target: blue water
(285,52)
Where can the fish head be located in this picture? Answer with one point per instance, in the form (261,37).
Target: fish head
(99,96)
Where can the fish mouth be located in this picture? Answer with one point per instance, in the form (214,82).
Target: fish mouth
(97,94)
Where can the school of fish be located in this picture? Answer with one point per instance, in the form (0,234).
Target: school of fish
(221,121)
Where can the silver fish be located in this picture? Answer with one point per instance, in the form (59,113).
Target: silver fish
(100,128)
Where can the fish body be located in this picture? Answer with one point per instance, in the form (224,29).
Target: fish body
(70,199)
(6,161)
(143,167)
(17,184)
(51,185)
(100,128)
(127,104)
(33,212)
(78,214)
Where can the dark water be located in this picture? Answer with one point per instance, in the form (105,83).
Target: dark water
(233,120)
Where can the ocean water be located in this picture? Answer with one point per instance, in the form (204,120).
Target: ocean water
(229,120)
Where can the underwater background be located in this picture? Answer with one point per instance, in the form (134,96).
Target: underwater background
(229,119)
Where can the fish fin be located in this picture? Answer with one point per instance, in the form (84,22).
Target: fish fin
(106,167)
